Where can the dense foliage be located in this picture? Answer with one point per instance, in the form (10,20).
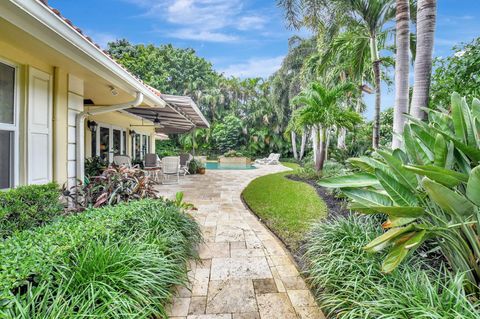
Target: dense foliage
(458,73)
(113,186)
(114,262)
(428,189)
(27,207)
(349,284)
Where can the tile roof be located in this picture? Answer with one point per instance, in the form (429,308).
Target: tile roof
(89,39)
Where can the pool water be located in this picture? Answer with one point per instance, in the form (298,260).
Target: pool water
(216,165)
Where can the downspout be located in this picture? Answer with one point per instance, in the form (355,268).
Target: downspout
(79,129)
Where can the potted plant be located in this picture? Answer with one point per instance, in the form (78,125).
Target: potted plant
(201,168)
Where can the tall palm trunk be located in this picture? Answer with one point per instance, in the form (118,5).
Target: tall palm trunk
(378,90)
(322,154)
(402,68)
(318,151)
(294,144)
(341,139)
(426,19)
(302,145)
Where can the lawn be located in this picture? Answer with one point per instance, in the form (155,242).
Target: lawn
(287,207)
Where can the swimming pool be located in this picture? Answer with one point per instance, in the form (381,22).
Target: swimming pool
(216,165)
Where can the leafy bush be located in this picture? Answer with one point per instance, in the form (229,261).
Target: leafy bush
(127,256)
(194,166)
(430,189)
(115,185)
(94,166)
(26,207)
(349,284)
(233,153)
(459,73)
(166,148)
(227,135)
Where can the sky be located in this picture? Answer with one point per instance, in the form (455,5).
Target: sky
(242,38)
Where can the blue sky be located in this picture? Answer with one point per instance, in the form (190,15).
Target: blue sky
(243,38)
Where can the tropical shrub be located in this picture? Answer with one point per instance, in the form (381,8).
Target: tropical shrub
(30,206)
(233,153)
(166,148)
(458,73)
(194,166)
(114,262)
(115,185)
(428,189)
(348,283)
(227,135)
(94,166)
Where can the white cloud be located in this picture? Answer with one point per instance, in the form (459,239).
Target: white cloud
(203,20)
(261,67)
(210,36)
(251,22)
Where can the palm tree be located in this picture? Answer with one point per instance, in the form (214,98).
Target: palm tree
(371,15)
(402,69)
(321,110)
(426,19)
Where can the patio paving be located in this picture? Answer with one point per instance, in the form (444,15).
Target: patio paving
(245,271)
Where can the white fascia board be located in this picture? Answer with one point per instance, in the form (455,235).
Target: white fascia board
(36,19)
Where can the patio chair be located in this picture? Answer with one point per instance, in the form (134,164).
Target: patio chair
(185,160)
(123,160)
(275,160)
(170,167)
(152,166)
(264,160)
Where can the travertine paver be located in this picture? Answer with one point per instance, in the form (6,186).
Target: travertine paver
(245,272)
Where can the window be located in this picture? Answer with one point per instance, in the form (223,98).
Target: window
(140,145)
(8,126)
(108,141)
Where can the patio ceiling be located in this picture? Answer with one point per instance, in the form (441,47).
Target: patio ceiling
(180,115)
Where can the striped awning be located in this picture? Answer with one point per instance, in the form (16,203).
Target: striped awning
(179,116)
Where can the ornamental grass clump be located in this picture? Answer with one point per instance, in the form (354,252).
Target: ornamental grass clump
(349,284)
(112,262)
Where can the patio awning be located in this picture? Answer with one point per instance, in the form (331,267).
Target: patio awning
(180,115)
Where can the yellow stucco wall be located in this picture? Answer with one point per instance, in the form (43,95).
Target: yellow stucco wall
(123,121)
(23,60)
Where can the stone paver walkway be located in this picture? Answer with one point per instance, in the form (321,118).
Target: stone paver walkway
(246,272)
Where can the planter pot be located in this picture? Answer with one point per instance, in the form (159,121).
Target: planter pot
(201,171)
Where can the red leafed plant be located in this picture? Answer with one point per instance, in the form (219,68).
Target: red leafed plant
(115,185)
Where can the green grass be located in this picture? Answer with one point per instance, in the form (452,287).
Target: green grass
(287,207)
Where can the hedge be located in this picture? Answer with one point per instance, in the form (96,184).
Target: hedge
(26,207)
(33,257)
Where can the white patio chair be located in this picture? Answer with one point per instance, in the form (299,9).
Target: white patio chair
(264,160)
(152,166)
(185,160)
(275,160)
(123,160)
(170,167)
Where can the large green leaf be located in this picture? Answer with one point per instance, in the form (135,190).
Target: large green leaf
(367,197)
(470,151)
(414,151)
(425,135)
(401,195)
(387,238)
(476,108)
(392,211)
(367,164)
(402,248)
(473,186)
(440,151)
(356,180)
(447,199)
(458,118)
(444,176)
(397,222)
(404,176)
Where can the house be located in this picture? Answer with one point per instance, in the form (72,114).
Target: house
(63,99)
